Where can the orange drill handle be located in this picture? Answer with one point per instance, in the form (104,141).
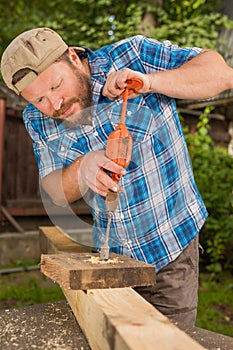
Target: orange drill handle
(119,148)
(133,85)
(119,145)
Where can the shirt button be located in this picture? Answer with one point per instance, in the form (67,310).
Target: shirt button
(62,148)
(129,113)
(96,133)
(167,43)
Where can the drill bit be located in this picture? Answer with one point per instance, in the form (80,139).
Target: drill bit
(112,200)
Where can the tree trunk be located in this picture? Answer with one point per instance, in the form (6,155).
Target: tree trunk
(149,19)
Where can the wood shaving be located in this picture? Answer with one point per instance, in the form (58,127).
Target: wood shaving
(96,260)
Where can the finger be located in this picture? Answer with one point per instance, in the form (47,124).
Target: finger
(106,180)
(100,189)
(112,92)
(115,85)
(113,167)
(101,182)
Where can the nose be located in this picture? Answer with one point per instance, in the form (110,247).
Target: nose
(56,101)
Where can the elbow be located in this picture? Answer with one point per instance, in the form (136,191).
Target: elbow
(52,189)
(229,81)
(222,73)
(56,198)
(60,202)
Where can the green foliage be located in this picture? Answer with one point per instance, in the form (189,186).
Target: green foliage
(213,169)
(181,10)
(94,23)
(89,23)
(190,23)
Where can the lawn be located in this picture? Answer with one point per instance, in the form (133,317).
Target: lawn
(27,288)
(215,309)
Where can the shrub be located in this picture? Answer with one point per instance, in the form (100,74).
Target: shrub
(213,171)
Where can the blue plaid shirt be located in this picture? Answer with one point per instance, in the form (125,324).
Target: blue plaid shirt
(161,210)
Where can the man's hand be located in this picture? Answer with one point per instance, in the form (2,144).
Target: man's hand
(92,173)
(66,185)
(117,82)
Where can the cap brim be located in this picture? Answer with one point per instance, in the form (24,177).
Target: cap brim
(78,48)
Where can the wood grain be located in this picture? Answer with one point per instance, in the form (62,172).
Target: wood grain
(120,319)
(86,271)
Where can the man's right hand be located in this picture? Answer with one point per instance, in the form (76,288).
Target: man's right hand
(69,184)
(92,172)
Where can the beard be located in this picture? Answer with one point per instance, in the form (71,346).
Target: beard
(84,100)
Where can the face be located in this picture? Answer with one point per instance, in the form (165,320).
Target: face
(62,90)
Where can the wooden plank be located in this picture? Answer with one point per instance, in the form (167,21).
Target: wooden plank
(34,207)
(87,271)
(121,319)
(118,318)
(202,104)
(10,218)
(54,240)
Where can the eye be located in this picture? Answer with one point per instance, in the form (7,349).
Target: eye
(41,99)
(57,85)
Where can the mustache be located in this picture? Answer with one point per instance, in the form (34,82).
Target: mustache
(67,105)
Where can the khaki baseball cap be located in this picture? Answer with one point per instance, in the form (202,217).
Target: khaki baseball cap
(34,50)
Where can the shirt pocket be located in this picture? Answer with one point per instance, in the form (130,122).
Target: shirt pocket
(67,147)
(141,120)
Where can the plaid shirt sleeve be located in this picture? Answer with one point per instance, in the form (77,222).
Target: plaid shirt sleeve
(54,145)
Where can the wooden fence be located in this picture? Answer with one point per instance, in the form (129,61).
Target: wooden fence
(19,179)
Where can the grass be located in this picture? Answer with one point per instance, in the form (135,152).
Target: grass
(17,290)
(27,288)
(215,309)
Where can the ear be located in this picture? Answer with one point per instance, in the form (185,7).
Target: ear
(74,57)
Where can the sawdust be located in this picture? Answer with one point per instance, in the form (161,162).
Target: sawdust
(96,260)
(41,327)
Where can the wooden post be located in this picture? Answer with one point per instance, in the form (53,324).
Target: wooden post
(2,125)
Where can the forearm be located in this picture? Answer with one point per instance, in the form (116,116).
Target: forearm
(63,185)
(89,171)
(203,77)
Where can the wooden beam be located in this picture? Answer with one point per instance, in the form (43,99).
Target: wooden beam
(35,207)
(119,318)
(10,218)
(53,240)
(205,103)
(87,271)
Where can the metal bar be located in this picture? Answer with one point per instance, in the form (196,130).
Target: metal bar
(19,269)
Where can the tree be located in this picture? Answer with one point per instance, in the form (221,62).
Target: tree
(95,23)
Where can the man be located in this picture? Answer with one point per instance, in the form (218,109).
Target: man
(160,212)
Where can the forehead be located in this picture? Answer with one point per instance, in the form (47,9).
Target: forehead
(46,80)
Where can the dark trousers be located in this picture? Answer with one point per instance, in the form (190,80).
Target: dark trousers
(175,293)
